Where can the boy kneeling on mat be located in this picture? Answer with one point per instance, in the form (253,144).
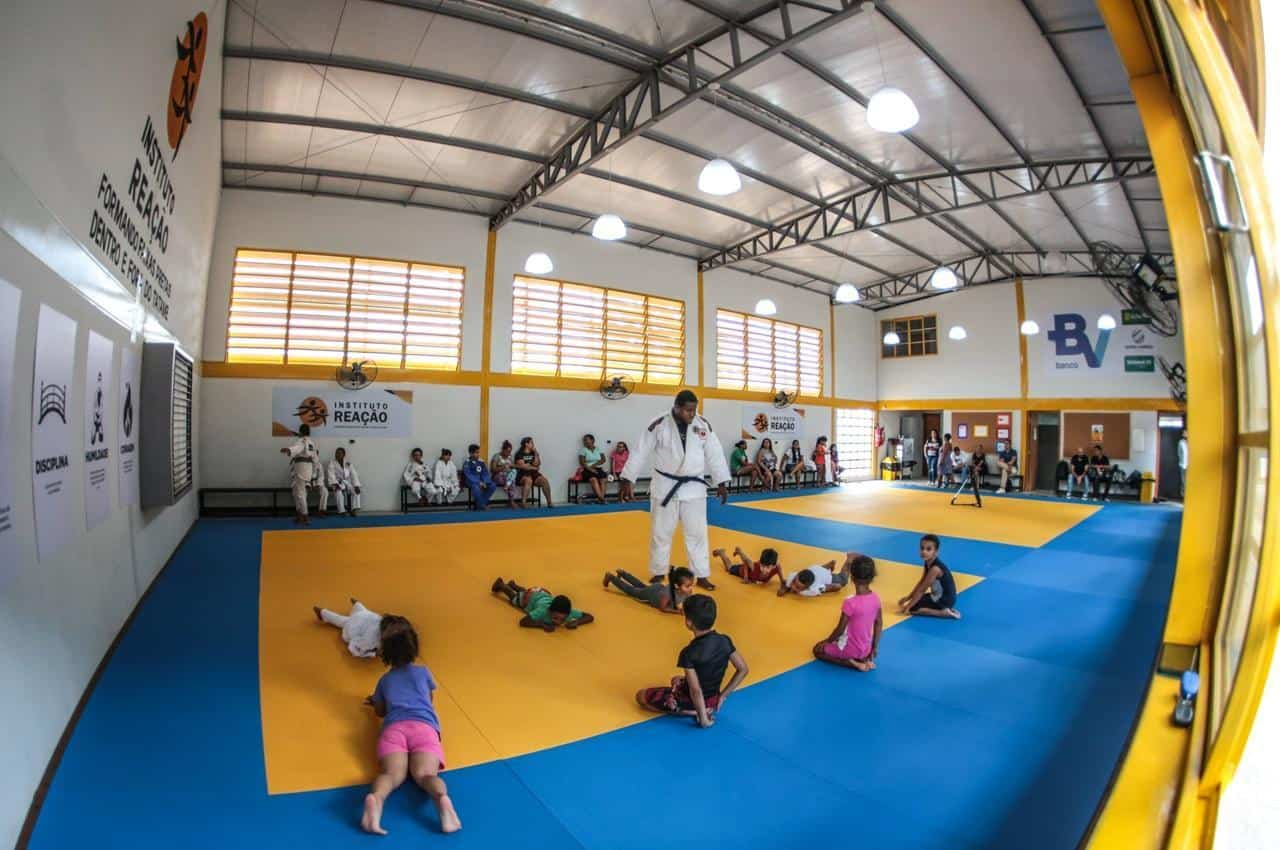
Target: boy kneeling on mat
(698,692)
(541,609)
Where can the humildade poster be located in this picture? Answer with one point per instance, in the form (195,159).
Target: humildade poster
(10,299)
(341,413)
(98,382)
(126,426)
(52,440)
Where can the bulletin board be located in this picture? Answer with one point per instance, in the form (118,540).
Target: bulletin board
(1079,430)
(981,426)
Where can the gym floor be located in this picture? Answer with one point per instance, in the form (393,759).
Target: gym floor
(228,714)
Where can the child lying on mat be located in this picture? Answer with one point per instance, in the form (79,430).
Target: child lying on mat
(698,692)
(935,594)
(541,609)
(409,745)
(668,597)
(752,572)
(818,579)
(361,629)
(856,638)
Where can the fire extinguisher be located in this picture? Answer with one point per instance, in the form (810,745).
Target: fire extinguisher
(879,436)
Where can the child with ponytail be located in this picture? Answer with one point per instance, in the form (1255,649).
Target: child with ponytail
(668,596)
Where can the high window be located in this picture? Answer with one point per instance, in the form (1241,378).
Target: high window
(917,336)
(754,353)
(327,309)
(578,331)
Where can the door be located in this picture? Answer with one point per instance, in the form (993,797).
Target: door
(1168,479)
(932,422)
(1047,457)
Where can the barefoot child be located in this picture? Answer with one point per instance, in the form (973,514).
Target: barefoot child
(541,609)
(817,580)
(856,638)
(668,598)
(410,741)
(361,629)
(752,572)
(935,594)
(698,692)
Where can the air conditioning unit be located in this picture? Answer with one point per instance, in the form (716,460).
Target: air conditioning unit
(165,412)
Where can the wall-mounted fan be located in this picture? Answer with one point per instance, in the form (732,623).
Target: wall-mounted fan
(619,386)
(1176,374)
(1140,284)
(358,375)
(785,399)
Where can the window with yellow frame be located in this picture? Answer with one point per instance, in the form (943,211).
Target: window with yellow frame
(767,355)
(917,336)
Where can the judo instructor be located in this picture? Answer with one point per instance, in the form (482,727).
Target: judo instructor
(682,448)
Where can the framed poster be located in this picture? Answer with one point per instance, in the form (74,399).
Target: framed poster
(10,300)
(98,383)
(1002,433)
(1002,418)
(52,437)
(981,431)
(1096,432)
(962,431)
(126,426)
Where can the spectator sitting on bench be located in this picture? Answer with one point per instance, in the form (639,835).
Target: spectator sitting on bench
(444,475)
(502,468)
(343,483)
(591,466)
(617,462)
(529,472)
(478,480)
(739,465)
(1078,473)
(793,463)
(1007,463)
(417,479)
(767,465)
(1100,474)
(978,462)
(953,465)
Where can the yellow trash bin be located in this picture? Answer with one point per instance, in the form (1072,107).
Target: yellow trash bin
(1147,491)
(890,469)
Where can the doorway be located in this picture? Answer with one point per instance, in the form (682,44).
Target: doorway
(1168,476)
(1046,434)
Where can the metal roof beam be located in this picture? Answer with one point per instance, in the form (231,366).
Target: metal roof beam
(925,197)
(640,106)
(306,171)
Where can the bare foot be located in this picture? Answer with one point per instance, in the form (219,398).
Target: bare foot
(449,820)
(372,818)
(497,585)
(718,552)
(316,608)
(605,581)
(953,613)
(353,600)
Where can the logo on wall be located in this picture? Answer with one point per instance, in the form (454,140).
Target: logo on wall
(128,409)
(1070,338)
(98,435)
(186,79)
(53,402)
(761,423)
(312,412)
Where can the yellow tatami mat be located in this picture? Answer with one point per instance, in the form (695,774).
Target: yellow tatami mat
(504,691)
(1020,522)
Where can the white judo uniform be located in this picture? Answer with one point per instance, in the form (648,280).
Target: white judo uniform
(444,477)
(303,461)
(418,479)
(677,491)
(343,480)
(362,629)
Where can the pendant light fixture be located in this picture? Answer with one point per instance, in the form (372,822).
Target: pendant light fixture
(943,278)
(891,338)
(1106,322)
(719,177)
(890,109)
(609,227)
(958,333)
(847,293)
(539,262)
(766,307)
(1029,328)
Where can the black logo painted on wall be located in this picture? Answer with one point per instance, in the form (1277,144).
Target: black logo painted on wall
(128,410)
(53,402)
(97,436)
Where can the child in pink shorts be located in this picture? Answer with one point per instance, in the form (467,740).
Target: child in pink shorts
(856,638)
(410,741)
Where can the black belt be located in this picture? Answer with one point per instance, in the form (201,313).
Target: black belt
(680,480)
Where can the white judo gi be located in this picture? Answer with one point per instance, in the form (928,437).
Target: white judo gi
(362,629)
(444,477)
(677,492)
(418,479)
(303,458)
(344,478)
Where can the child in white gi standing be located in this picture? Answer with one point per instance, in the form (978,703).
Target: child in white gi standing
(303,459)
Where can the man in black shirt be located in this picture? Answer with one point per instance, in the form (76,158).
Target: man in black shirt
(698,692)
(1100,474)
(1078,473)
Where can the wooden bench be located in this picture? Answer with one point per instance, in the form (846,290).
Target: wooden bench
(640,490)
(251,501)
(461,502)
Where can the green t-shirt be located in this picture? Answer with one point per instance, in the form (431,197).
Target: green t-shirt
(539,608)
(590,456)
(737,459)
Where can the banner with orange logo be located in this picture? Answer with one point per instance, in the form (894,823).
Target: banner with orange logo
(763,420)
(341,413)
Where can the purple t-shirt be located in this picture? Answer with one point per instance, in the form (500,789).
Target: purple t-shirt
(406,692)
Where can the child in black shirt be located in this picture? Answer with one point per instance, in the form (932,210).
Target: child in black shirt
(935,594)
(698,692)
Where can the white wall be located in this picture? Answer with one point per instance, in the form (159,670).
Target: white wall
(66,123)
(857,353)
(295,222)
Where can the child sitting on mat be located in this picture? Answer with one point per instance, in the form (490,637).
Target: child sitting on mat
(856,638)
(698,692)
(410,741)
(818,579)
(667,597)
(935,594)
(752,572)
(361,629)
(541,609)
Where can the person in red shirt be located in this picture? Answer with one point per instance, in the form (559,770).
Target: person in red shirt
(751,572)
